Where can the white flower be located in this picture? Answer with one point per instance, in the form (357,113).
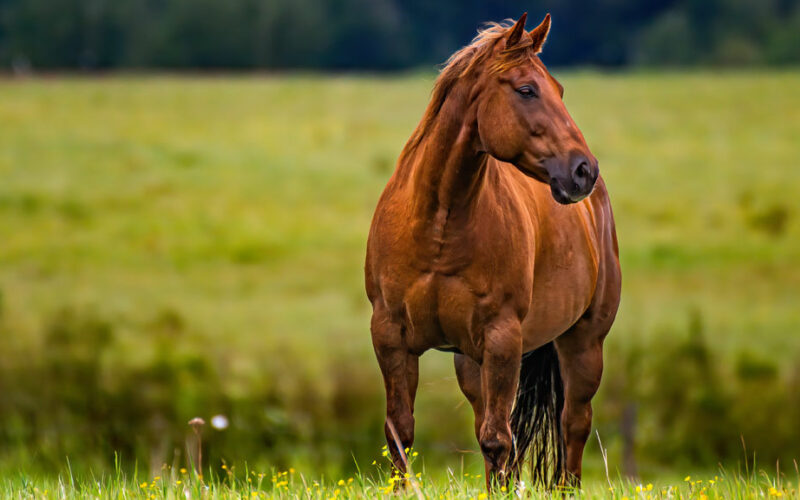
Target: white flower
(219,422)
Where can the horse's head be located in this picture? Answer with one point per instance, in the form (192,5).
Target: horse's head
(522,118)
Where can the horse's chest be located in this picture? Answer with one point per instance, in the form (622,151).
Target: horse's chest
(442,310)
(447,296)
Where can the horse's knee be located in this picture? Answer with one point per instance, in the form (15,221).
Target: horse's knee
(577,421)
(495,445)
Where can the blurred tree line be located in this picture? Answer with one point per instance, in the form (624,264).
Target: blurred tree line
(384,34)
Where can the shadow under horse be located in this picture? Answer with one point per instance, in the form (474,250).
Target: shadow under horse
(494,239)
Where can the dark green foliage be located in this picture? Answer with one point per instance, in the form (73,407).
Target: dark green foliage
(383,34)
(694,407)
(81,398)
(771,220)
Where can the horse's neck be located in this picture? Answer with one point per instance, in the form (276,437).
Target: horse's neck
(448,172)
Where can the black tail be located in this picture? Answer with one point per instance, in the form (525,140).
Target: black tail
(536,418)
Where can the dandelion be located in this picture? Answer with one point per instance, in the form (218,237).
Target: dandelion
(687,478)
(773,492)
(183,470)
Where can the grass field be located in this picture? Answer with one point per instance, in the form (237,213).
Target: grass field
(249,484)
(209,233)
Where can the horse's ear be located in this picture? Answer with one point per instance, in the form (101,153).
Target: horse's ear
(515,32)
(539,34)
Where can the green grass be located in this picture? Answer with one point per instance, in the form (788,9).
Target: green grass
(224,220)
(228,482)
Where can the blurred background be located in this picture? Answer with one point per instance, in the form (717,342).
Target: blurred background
(186,188)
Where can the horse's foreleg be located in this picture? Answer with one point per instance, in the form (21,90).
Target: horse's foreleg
(400,371)
(500,367)
(580,354)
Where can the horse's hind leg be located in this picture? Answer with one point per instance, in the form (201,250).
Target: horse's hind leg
(580,355)
(400,370)
(468,373)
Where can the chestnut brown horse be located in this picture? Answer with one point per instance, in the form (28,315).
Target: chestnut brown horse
(494,239)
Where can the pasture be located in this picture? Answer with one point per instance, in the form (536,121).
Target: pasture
(173,247)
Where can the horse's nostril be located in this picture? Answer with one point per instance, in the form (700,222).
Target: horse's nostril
(582,171)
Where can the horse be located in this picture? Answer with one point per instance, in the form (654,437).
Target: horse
(494,239)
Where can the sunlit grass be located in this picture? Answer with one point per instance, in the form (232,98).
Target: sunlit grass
(232,482)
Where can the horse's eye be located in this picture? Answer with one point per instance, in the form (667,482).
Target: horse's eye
(526,91)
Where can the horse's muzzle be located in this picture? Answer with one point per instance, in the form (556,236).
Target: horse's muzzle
(578,182)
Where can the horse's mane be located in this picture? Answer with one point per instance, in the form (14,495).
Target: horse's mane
(463,63)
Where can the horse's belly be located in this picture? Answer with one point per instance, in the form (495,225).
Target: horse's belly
(560,297)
